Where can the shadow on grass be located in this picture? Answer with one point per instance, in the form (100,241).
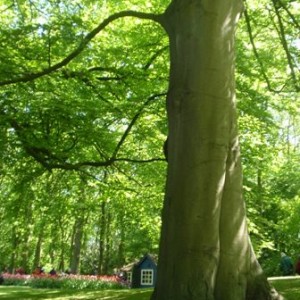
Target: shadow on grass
(289,287)
(18,293)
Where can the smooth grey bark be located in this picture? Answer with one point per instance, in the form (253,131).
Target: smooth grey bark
(205,252)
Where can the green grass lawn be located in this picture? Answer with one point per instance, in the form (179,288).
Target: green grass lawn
(26,293)
(288,287)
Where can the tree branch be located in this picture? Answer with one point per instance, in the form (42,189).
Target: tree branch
(284,43)
(106,163)
(161,50)
(256,54)
(48,159)
(134,119)
(128,13)
(292,17)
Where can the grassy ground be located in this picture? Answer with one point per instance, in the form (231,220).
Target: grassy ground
(26,293)
(289,287)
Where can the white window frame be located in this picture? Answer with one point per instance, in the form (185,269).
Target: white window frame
(149,277)
(129,276)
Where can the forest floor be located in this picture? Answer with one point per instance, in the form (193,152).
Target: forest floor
(288,287)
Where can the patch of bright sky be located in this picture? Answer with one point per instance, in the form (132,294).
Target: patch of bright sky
(295,5)
(297,43)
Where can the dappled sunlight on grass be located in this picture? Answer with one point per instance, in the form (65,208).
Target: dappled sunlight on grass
(289,287)
(26,293)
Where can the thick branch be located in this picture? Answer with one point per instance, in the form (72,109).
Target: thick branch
(106,163)
(85,41)
(47,158)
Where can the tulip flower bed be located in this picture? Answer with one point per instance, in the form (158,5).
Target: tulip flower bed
(76,282)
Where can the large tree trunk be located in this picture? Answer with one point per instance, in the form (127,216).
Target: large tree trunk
(205,252)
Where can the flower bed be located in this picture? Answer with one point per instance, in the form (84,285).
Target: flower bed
(78,282)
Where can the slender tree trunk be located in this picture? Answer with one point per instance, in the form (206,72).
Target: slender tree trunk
(121,254)
(205,252)
(108,244)
(76,245)
(63,238)
(13,256)
(61,264)
(25,255)
(102,232)
(77,237)
(38,247)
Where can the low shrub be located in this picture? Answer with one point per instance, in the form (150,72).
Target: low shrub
(91,282)
(15,279)
(44,282)
(76,282)
(269,261)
